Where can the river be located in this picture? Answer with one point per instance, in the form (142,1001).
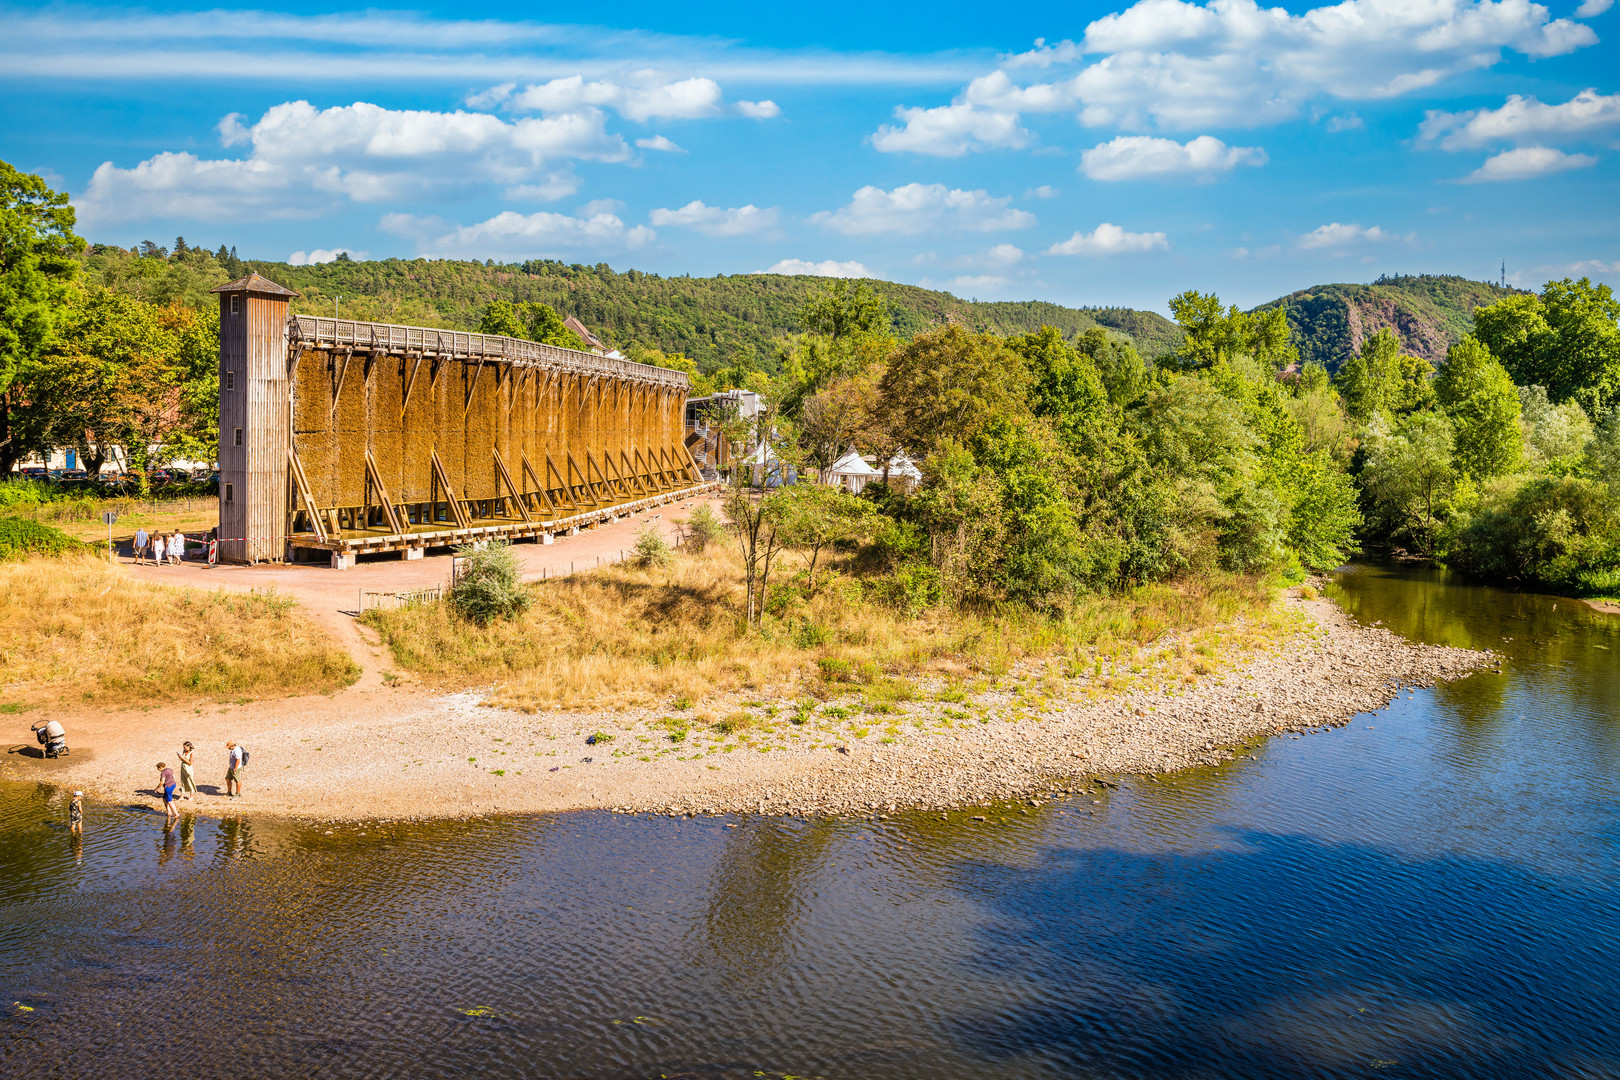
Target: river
(1431,891)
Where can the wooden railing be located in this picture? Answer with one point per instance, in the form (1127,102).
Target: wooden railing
(316,332)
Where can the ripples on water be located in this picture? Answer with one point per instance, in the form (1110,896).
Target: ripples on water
(1429,892)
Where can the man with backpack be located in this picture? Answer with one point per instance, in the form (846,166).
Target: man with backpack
(235,769)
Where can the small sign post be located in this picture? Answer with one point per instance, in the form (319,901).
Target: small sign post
(109,516)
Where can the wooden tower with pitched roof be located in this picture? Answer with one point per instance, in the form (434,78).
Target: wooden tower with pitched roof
(255,419)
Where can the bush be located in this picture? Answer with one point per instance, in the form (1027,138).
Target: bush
(489,588)
(651,549)
(703,528)
(1558,531)
(20,537)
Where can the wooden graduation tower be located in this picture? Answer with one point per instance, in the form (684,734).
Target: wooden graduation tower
(340,437)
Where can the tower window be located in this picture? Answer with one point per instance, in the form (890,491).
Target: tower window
(238,440)
(230,380)
(236,304)
(230,492)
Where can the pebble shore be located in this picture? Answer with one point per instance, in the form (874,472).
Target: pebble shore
(1319,679)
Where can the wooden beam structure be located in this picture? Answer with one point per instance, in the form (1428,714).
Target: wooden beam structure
(312,459)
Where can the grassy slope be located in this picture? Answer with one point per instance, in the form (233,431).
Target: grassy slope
(1430,312)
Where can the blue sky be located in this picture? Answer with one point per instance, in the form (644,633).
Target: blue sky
(1083,153)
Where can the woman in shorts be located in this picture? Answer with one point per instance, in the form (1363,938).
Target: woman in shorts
(166,782)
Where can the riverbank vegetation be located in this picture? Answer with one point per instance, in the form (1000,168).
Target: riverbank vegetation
(1506,462)
(74,630)
(653,635)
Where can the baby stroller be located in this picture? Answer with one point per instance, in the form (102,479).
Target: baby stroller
(53,737)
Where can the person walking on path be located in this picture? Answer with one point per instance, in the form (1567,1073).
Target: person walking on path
(157,550)
(235,767)
(141,540)
(166,782)
(76,814)
(188,779)
(177,548)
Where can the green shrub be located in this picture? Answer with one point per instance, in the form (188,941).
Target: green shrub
(489,587)
(651,549)
(703,528)
(20,537)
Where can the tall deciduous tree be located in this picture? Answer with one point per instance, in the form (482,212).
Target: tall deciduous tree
(1479,396)
(1567,340)
(37,260)
(841,309)
(1214,335)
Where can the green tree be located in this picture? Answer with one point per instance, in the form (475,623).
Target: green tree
(1409,476)
(111,379)
(951,384)
(1065,385)
(815,516)
(1553,434)
(1483,404)
(841,309)
(1214,335)
(501,318)
(1567,340)
(38,252)
(1124,374)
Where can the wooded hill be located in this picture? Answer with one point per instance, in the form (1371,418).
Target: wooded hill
(715,320)
(1430,313)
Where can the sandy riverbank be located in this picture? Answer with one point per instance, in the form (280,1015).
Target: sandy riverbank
(379,751)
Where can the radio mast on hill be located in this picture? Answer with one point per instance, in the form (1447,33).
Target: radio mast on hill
(1504,273)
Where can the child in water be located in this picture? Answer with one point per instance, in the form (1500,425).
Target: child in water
(76,814)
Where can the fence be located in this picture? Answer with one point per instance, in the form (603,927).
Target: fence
(388,601)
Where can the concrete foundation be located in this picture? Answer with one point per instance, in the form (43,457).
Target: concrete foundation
(412,554)
(340,560)
(547,538)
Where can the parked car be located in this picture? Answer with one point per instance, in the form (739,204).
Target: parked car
(34,472)
(74,474)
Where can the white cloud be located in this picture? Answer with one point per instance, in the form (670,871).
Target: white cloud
(1045,191)
(1335,235)
(1523,119)
(372,47)
(647,95)
(321,255)
(1142,157)
(659,142)
(1590,8)
(513,235)
(758,110)
(1108,239)
(1528,163)
(1346,122)
(920,208)
(558,185)
(827,268)
(713,221)
(950,131)
(304,161)
(1177,65)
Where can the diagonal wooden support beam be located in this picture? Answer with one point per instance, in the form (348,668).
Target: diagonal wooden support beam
(585,480)
(301,482)
(634,469)
(375,477)
(517,496)
(479,370)
(564,485)
(530,476)
(410,383)
(457,511)
(343,373)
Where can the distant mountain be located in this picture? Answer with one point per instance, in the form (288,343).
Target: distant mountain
(714,320)
(1430,312)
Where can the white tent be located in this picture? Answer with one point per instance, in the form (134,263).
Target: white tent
(904,472)
(850,472)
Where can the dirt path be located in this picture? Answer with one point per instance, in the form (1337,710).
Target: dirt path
(398,751)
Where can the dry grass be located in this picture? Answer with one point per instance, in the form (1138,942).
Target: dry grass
(629,636)
(76,628)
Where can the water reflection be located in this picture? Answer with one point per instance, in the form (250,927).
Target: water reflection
(1431,891)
